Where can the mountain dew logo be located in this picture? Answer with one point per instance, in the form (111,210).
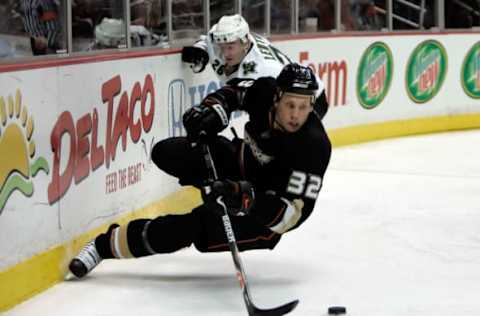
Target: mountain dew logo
(426,71)
(471,72)
(374,75)
(17,149)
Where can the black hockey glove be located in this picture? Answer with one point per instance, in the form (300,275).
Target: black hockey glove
(196,56)
(236,196)
(210,119)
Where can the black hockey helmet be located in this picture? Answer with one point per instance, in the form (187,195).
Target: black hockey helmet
(298,79)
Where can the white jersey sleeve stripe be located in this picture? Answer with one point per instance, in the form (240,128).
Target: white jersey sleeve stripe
(202,43)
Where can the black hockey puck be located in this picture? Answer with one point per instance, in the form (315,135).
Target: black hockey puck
(337,310)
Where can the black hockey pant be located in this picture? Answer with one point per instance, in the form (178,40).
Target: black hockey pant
(201,227)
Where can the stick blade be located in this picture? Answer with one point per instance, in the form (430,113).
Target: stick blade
(277,311)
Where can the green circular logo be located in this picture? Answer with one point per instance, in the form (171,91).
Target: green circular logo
(374,75)
(426,71)
(471,72)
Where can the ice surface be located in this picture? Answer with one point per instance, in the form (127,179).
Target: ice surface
(396,231)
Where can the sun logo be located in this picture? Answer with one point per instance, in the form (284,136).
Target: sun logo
(17,149)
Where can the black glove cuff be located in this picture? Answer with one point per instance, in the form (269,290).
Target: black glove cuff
(196,56)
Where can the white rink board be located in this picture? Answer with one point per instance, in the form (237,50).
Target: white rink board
(32,223)
(450,100)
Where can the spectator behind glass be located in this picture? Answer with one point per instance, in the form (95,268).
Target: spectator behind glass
(148,23)
(366,16)
(309,16)
(97,24)
(41,22)
(325,9)
(462,16)
(280,16)
(254,13)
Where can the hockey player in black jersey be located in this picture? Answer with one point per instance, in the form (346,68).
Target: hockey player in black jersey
(269,181)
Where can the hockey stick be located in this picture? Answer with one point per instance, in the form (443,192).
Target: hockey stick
(232,243)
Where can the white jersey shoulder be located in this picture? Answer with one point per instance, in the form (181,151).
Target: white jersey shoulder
(262,59)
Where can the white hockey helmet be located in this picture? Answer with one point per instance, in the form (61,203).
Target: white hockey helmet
(110,32)
(230,28)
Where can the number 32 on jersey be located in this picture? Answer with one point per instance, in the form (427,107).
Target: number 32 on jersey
(301,183)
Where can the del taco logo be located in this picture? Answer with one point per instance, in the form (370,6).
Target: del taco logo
(471,72)
(18,164)
(426,71)
(374,75)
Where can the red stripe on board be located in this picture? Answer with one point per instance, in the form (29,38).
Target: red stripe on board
(55,61)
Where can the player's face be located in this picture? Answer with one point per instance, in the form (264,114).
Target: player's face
(233,52)
(292,111)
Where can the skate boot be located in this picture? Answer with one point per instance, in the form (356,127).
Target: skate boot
(85,261)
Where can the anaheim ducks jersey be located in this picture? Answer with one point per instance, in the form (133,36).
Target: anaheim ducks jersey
(287,182)
(287,169)
(262,60)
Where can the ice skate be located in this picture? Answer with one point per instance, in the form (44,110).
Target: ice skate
(85,261)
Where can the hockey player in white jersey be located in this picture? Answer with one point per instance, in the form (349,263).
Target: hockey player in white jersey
(235,52)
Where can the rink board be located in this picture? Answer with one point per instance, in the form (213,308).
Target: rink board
(76,134)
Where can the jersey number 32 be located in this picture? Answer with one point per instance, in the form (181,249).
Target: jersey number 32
(301,183)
